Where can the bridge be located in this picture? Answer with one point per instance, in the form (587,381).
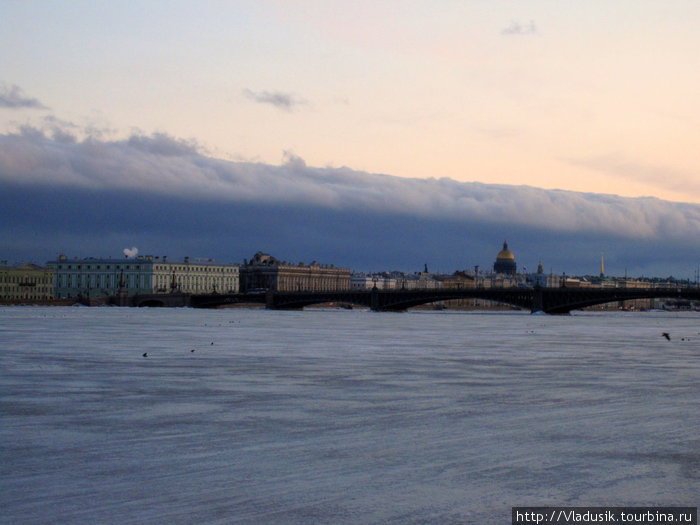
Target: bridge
(548,300)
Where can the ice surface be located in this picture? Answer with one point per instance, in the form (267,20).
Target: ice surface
(341,416)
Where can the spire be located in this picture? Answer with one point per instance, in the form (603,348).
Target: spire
(602,266)
(122,296)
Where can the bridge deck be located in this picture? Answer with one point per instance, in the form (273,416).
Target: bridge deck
(548,300)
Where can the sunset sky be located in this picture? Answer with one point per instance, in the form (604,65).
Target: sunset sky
(369,134)
(594,96)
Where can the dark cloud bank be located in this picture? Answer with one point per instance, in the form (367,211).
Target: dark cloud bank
(91,197)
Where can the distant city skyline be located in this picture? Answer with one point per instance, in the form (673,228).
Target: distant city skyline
(134,254)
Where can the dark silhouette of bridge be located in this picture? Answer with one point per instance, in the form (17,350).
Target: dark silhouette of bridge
(548,300)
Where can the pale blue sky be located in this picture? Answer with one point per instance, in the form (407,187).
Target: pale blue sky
(595,96)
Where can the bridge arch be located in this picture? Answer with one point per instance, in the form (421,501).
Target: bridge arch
(298,300)
(155,303)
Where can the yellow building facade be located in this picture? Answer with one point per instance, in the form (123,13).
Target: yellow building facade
(28,282)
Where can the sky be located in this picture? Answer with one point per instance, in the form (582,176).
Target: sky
(542,122)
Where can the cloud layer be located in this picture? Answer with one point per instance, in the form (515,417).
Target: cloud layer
(516,28)
(278,99)
(14,98)
(154,190)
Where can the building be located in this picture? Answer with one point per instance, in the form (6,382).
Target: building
(26,282)
(505,261)
(361,281)
(92,277)
(100,277)
(264,272)
(420,281)
(542,279)
(396,281)
(458,280)
(197,277)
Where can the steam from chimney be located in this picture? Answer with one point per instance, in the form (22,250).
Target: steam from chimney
(131,253)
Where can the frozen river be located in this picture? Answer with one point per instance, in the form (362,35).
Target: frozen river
(255,416)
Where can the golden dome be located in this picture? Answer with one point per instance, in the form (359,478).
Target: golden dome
(505,253)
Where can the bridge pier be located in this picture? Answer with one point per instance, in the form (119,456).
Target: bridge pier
(537,302)
(374,299)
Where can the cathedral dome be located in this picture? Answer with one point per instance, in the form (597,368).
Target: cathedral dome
(505,253)
(505,261)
